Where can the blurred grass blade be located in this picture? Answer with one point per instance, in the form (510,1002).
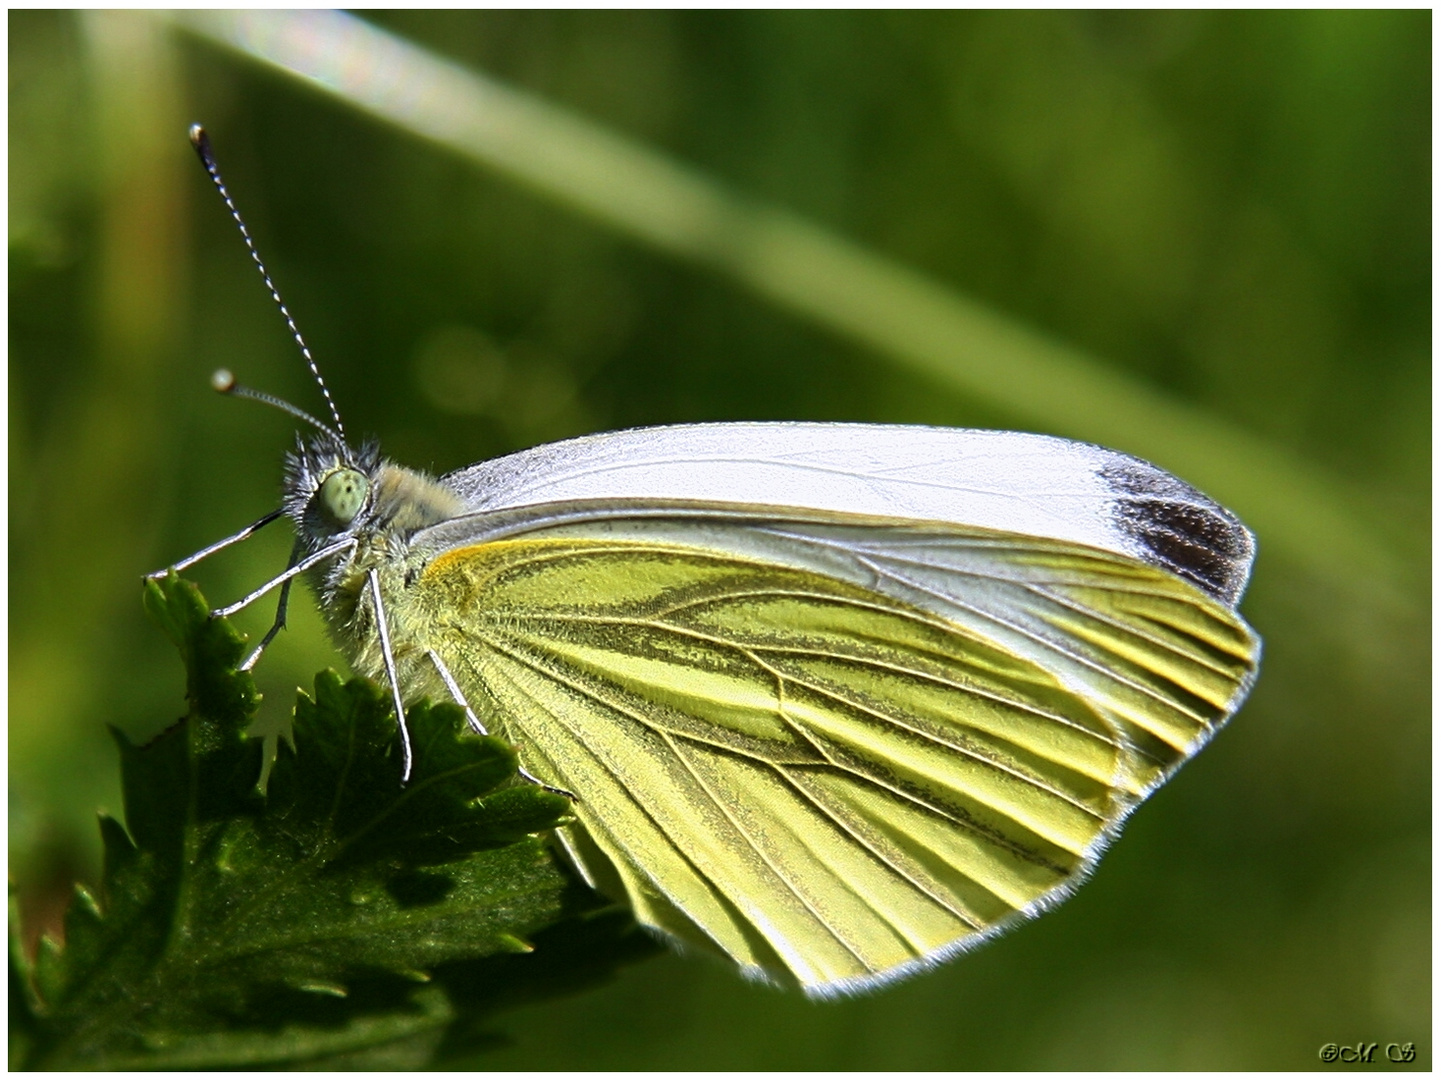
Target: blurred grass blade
(1297,510)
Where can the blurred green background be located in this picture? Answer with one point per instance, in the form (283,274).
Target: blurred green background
(1229,208)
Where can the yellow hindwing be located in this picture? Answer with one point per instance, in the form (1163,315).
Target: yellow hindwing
(823,782)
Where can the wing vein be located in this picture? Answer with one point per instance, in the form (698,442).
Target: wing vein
(961,822)
(744,833)
(947,903)
(1047,590)
(1056,647)
(964,751)
(619,782)
(931,677)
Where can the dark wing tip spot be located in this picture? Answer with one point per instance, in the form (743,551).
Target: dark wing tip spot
(1186,532)
(1203,544)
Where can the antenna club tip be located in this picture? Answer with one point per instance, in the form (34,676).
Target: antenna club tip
(198,137)
(222,381)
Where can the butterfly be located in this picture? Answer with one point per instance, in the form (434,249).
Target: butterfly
(835,701)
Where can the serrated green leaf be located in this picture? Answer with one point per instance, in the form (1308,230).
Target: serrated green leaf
(336,918)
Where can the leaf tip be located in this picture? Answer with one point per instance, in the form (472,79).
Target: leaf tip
(85,902)
(512,944)
(325,989)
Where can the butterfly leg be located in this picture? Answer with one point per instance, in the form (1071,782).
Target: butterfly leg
(220,545)
(275,628)
(280,579)
(526,775)
(280,610)
(454,688)
(373,576)
(474,721)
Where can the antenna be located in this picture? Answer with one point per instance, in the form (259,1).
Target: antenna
(224,382)
(201,142)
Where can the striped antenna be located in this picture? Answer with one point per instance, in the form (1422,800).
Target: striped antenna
(224,382)
(201,142)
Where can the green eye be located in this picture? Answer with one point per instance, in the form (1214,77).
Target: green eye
(343,494)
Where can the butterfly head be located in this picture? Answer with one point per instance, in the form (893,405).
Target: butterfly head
(330,488)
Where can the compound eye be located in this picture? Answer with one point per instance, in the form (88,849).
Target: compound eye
(342,494)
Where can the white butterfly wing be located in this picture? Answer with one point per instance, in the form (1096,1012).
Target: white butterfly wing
(1035,485)
(839,700)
